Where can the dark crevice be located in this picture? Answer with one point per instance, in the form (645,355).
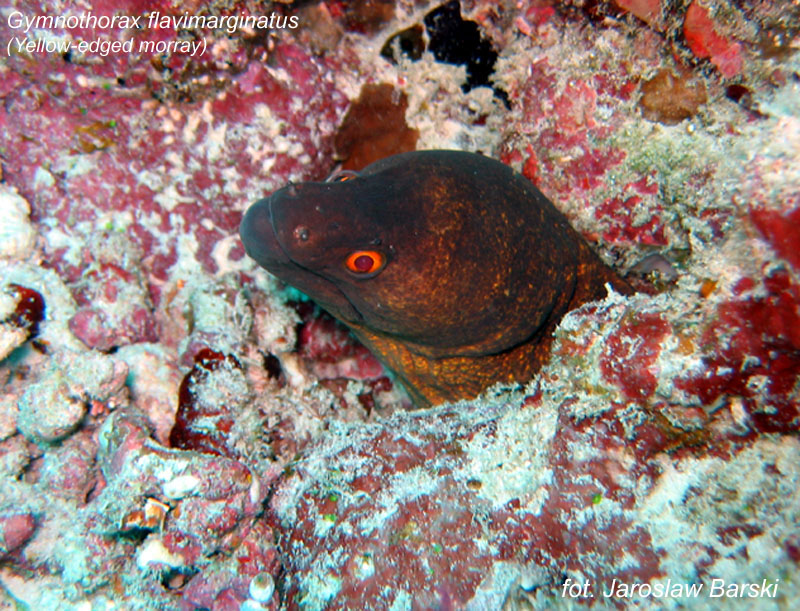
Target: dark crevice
(452,40)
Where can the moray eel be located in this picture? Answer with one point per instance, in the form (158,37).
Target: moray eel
(451,267)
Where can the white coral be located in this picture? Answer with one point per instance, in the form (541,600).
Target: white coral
(17,235)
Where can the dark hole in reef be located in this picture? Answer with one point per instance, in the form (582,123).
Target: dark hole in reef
(736,92)
(743,96)
(408,42)
(456,41)
(459,42)
(177,578)
(134,535)
(452,40)
(273,366)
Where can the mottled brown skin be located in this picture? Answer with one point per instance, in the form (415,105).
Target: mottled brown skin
(480,266)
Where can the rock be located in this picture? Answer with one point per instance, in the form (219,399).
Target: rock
(53,406)
(15,530)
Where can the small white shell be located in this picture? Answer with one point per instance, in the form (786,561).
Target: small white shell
(262,586)
(181,486)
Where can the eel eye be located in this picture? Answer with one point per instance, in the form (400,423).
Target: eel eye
(365,261)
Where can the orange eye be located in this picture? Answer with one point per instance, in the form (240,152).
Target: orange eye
(365,261)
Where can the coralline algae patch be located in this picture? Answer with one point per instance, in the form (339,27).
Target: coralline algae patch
(179,432)
(572,131)
(161,151)
(500,508)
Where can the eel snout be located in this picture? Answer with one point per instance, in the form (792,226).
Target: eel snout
(258,235)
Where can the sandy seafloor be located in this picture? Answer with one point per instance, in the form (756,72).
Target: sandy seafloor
(178,430)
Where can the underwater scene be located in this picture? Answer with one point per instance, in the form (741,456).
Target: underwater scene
(399,305)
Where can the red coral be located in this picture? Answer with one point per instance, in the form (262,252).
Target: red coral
(192,430)
(754,338)
(530,169)
(565,123)
(781,230)
(648,11)
(622,215)
(323,339)
(114,307)
(587,171)
(536,14)
(29,311)
(575,107)
(705,41)
(631,352)
(102,116)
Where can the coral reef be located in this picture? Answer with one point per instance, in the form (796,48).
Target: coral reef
(180,431)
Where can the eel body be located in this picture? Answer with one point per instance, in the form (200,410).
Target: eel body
(451,267)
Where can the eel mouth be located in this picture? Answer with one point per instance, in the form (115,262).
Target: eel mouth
(261,243)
